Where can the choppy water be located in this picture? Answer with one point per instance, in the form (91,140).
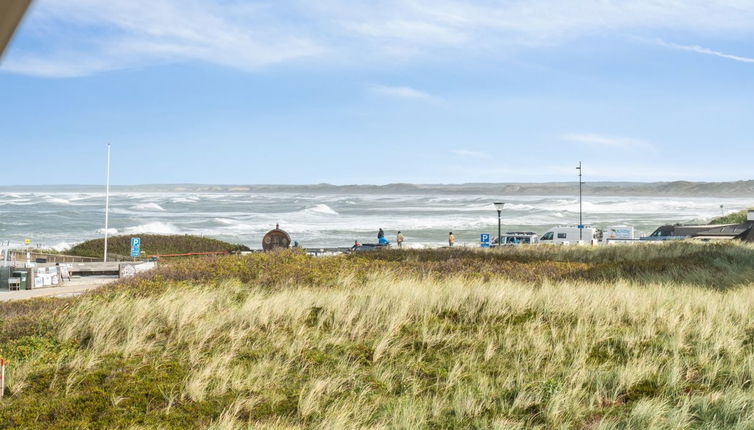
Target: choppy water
(60,219)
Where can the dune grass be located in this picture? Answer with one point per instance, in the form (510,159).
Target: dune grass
(397,340)
(732,218)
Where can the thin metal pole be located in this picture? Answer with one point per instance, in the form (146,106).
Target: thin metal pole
(581,217)
(107,201)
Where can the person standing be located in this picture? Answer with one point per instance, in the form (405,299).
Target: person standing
(451,239)
(399,239)
(381,238)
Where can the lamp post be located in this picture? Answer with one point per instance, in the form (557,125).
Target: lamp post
(499,207)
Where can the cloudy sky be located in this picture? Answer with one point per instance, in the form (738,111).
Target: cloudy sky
(349,91)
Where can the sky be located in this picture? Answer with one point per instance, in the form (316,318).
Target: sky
(381,91)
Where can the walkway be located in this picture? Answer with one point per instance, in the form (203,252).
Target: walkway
(74,287)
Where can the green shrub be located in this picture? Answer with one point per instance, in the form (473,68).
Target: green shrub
(152,244)
(732,218)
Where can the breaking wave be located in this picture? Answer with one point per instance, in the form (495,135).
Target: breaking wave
(148,207)
(320,209)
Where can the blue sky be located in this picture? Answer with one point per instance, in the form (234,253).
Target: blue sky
(344,91)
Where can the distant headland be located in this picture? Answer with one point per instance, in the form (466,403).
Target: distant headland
(675,188)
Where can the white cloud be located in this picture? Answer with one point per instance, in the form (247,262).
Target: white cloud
(706,51)
(606,141)
(486,24)
(79,37)
(133,33)
(402,92)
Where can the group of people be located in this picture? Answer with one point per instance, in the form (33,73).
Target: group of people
(382,240)
(399,239)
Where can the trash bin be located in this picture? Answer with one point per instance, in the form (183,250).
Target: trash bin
(24,279)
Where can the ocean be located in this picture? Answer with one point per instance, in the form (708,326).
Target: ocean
(57,219)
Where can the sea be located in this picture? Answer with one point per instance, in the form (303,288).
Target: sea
(57,219)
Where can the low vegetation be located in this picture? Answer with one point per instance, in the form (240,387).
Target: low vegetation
(732,218)
(152,244)
(653,336)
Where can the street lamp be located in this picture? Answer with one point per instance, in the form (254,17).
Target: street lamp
(499,207)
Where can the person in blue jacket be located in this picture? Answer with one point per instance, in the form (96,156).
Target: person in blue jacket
(381,238)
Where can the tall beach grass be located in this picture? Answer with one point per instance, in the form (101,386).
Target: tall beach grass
(389,345)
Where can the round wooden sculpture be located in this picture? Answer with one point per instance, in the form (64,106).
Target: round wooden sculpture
(275,239)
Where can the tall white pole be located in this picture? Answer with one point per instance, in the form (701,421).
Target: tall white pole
(107,200)
(581,218)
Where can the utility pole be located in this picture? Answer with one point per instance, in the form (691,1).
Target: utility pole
(581,213)
(107,201)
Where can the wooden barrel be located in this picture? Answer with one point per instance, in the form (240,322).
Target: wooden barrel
(276,239)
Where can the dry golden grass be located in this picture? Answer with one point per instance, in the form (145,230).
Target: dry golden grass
(413,354)
(392,349)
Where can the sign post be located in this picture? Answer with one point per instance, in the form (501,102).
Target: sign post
(484,239)
(135,247)
(2,378)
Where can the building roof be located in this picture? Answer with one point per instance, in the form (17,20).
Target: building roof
(743,231)
(11,12)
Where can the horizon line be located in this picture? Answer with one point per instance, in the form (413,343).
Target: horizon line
(174,184)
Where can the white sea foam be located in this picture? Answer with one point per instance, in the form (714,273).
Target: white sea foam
(57,200)
(184,199)
(61,246)
(109,231)
(156,227)
(320,209)
(148,207)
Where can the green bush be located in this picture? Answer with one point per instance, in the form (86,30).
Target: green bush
(152,244)
(732,218)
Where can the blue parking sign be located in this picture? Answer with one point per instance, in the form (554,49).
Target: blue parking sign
(485,240)
(135,247)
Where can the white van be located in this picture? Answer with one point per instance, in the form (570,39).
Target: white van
(617,234)
(518,238)
(567,235)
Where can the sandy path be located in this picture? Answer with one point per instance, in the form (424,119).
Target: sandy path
(75,286)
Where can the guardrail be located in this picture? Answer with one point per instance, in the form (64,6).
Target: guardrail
(63,258)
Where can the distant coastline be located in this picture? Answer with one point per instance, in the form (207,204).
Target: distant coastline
(675,188)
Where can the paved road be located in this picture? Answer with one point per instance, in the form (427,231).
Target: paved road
(74,287)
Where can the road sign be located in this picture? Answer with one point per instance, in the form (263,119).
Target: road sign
(135,247)
(484,238)
(581,226)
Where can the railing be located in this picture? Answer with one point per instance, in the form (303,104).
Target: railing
(62,258)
